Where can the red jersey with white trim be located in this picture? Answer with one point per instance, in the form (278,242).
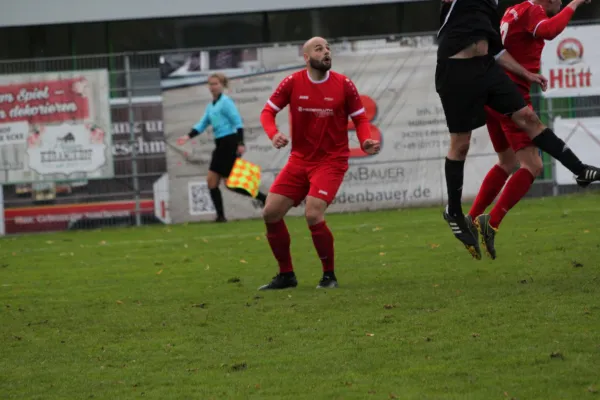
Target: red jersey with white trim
(319,114)
(517,28)
(524,28)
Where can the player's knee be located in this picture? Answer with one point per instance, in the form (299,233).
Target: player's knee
(271,214)
(528,120)
(507,161)
(459,147)
(534,165)
(314,215)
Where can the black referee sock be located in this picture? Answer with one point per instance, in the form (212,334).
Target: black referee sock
(454,183)
(260,196)
(217,199)
(550,143)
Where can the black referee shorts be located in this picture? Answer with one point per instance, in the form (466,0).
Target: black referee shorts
(466,86)
(224,155)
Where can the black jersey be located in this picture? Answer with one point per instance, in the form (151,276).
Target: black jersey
(464,22)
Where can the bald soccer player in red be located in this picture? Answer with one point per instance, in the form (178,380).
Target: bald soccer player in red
(320,103)
(525,28)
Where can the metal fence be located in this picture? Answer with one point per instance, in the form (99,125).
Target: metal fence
(136,83)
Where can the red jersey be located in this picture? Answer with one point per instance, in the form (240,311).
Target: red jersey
(524,29)
(319,115)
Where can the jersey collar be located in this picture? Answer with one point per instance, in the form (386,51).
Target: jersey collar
(317,82)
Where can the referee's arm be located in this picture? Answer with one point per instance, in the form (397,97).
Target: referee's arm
(234,117)
(200,126)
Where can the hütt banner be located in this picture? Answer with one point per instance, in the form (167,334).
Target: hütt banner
(397,87)
(571,62)
(53,127)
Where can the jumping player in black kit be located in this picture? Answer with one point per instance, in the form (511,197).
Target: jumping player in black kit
(469,76)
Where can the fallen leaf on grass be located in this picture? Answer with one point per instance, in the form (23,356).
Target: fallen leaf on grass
(103,242)
(207,268)
(204,240)
(377,228)
(586,231)
(393,396)
(370,334)
(388,306)
(592,389)
(49,242)
(243,261)
(382,254)
(576,264)
(434,245)
(475,335)
(119,302)
(201,305)
(159,272)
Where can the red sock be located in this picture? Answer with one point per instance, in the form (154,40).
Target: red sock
(323,240)
(518,185)
(279,240)
(490,187)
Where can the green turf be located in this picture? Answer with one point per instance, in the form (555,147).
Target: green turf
(173,313)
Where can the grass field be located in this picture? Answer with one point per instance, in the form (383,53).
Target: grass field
(173,312)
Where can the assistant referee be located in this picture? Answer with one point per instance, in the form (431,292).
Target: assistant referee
(228,129)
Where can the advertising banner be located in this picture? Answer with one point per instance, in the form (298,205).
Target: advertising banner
(582,135)
(61,205)
(571,62)
(52,127)
(397,87)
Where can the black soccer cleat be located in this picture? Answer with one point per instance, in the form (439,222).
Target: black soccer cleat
(281,281)
(488,234)
(220,219)
(590,174)
(328,282)
(464,230)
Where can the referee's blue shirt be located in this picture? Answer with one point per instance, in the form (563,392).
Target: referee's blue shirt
(223,116)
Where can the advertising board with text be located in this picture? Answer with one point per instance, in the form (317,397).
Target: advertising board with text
(61,205)
(571,62)
(52,126)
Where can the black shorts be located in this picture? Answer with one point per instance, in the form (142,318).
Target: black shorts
(224,155)
(466,86)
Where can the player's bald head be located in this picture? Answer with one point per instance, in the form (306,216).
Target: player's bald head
(317,54)
(312,43)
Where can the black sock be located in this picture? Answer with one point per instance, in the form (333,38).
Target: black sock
(217,199)
(454,183)
(550,143)
(240,191)
(261,197)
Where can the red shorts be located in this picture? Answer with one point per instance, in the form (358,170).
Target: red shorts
(504,133)
(300,179)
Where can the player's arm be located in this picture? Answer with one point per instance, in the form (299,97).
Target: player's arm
(356,111)
(508,62)
(233,115)
(277,102)
(549,28)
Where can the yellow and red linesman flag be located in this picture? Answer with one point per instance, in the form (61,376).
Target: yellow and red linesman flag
(244,175)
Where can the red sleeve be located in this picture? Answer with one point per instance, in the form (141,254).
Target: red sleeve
(278,101)
(548,29)
(356,111)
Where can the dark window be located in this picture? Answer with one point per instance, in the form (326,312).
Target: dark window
(139,35)
(289,26)
(14,42)
(219,30)
(90,38)
(356,21)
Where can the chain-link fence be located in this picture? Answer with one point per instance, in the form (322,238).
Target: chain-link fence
(137,81)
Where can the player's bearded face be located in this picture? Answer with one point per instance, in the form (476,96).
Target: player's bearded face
(321,62)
